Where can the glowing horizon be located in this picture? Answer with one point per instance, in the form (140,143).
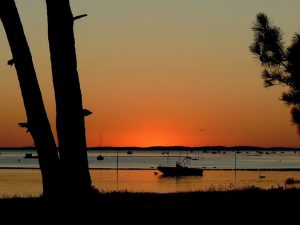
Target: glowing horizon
(160,73)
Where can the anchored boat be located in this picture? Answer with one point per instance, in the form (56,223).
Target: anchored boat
(181,169)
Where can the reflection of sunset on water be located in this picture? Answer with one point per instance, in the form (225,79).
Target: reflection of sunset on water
(27,182)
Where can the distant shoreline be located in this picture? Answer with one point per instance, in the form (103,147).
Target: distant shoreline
(139,169)
(174,148)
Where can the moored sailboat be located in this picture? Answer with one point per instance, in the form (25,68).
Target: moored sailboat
(100,157)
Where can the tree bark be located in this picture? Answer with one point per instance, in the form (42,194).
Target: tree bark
(37,124)
(70,117)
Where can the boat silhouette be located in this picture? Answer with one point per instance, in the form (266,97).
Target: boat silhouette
(30,156)
(181,169)
(100,157)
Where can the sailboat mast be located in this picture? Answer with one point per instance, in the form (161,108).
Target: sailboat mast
(100,157)
(100,142)
(100,145)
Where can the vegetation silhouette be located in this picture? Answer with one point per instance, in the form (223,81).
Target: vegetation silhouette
(64,170)
(226,207)
(281,65)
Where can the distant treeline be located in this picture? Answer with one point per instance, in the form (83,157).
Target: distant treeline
(18,148)
(176,148)
(200,148)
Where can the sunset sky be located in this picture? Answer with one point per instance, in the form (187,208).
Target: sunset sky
(160,72)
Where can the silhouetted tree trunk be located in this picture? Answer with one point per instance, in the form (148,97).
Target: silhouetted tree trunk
(70,116)
(37,124)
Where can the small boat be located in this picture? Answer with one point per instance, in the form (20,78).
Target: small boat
(100,157)
(181,169)
(291,181)
(129,152)
(261,176)
(30,156)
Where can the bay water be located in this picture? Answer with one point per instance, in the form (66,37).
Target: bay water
(120,171)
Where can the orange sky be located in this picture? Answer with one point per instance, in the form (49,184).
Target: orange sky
(160,73)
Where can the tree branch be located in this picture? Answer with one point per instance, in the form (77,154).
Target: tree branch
(79,16)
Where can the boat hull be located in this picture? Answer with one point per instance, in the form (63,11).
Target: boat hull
(100,157)
(180,171)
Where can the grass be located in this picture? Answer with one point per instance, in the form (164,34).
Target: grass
(152,208)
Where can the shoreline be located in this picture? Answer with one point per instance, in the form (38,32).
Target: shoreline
(209,169)
(173,148)
(153,208)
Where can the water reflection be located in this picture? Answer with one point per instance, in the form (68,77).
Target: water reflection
(28,182)
(179,183)
(154,181)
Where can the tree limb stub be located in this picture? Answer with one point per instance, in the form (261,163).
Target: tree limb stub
(79,16)
(11,62)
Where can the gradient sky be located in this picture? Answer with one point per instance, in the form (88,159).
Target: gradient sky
(160,72)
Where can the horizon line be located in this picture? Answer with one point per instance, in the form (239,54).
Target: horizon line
(167,146)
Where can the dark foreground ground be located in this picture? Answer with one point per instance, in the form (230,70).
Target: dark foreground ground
(251,206)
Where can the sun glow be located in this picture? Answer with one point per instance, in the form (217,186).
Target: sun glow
(143,138)
(155,73)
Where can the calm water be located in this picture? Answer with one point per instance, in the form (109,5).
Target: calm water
(137,171)
(27,182)
(151,159)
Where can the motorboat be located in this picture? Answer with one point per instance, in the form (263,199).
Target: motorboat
(181,169)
